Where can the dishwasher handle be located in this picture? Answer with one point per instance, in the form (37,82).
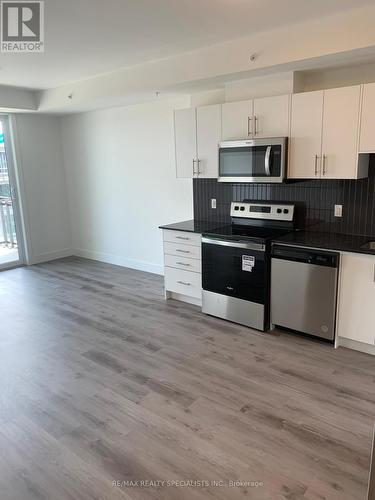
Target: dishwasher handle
(306,255)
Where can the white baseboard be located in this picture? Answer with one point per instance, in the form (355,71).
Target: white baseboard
(118,260)
(357,346)
(100,256)
(46,257)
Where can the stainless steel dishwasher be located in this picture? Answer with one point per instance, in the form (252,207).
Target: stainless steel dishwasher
(304,290)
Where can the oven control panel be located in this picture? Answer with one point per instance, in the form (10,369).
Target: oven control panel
(269,211)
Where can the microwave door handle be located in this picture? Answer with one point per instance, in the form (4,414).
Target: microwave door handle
(267,161)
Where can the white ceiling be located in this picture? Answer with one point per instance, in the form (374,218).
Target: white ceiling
(89,37)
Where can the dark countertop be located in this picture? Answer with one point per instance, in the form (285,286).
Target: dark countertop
(192,226)
(327,241)
(312,239)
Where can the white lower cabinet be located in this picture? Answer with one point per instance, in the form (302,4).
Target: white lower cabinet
(182,263)
(184,282)
(356,307)
(182,250)
(182,266)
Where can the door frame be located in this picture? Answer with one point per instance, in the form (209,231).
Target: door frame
(15,194)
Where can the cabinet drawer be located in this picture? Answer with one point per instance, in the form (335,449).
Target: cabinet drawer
(183,263)
(187,251)
(182,237)
(184,282)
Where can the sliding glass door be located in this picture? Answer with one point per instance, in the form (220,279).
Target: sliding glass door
(11,242)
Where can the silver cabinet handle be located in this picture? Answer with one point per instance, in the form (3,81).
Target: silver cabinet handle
(183,264)
(194,161)
(316,164)
(267,161)
(182,238)
(249,122)
(182,251)
(255,125)
(183,283)
(198,164)
(324,164)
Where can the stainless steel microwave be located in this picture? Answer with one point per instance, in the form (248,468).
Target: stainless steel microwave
(255,160)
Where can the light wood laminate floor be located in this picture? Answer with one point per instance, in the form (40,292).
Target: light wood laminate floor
(101,380)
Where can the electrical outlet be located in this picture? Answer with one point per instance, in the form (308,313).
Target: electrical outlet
(338,210)
(213,202)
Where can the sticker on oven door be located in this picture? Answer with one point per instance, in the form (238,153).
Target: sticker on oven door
(248,262)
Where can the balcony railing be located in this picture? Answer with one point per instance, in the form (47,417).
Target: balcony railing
(7,227)
(3,169)
(3,162)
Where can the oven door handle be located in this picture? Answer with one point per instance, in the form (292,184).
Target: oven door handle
(236,244)
(267,161)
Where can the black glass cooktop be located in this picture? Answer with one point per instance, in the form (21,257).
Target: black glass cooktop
(248,232)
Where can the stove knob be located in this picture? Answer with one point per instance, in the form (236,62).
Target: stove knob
(286,210)
(242,209)
(279,210)
(236,207)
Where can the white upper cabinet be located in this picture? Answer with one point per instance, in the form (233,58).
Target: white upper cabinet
(324,135)
(271,116)
(306,135)
(208,138)
(262,117)
(237,120)
(197,137)
(367,135)
(340,133)
(356,313)
(327,129)
(185,130)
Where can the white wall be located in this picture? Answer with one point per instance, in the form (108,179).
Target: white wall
(246,88)
(15,98)
(38,151)
(206,97)
(260,86)
(121,182)
(327,78)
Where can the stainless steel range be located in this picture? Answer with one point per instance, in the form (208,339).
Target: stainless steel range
(236,262)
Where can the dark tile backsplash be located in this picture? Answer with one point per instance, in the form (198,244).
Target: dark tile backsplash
(315,201)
